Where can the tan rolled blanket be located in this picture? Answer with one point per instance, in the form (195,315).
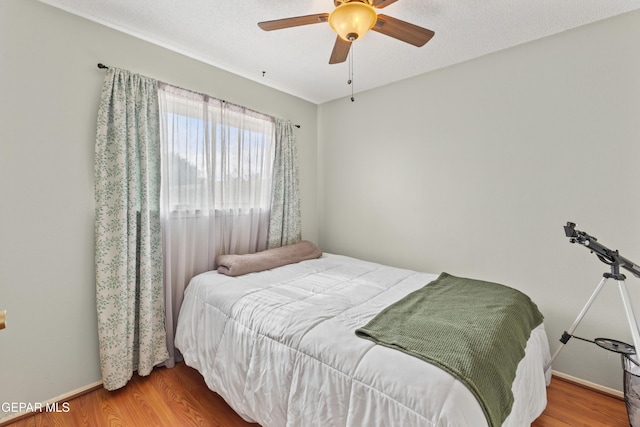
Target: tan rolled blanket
(237,265)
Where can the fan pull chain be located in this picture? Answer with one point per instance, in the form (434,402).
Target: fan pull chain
(350,81)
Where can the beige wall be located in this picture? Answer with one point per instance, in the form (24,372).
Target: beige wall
(474,169)
(49,91)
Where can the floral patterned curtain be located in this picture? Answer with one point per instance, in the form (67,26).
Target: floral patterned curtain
(128,251)
(285,223)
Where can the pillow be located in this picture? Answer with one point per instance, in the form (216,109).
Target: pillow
(237,265)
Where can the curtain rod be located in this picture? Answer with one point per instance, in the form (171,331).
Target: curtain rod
(104,67)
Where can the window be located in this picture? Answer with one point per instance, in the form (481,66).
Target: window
(216,156)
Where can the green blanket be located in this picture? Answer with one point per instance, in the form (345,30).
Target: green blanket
(477,331)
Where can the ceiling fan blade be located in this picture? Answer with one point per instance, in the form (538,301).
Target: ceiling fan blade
(402,30)
(296,21)
(340,51)
(379,4)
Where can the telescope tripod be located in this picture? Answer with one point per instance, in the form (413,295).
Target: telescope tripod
(613,345)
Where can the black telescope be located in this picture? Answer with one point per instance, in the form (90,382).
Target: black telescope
(629,352)
(604,254)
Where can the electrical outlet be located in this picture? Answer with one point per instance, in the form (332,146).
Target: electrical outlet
(3,319)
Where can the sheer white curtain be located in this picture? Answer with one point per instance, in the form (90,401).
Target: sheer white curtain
(217,161)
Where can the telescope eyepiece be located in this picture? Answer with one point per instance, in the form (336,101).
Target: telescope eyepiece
(570,231)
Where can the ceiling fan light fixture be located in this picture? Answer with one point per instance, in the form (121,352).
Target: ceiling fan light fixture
(352,20)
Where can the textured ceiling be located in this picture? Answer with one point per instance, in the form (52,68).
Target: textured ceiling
(295,60)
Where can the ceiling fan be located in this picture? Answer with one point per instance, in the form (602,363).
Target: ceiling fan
(351,19)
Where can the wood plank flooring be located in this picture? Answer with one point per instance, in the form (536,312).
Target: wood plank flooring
(179,397)
(569,404)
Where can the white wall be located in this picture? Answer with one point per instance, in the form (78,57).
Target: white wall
(474,170)
(49,92)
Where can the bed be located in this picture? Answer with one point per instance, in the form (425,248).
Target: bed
(280,347)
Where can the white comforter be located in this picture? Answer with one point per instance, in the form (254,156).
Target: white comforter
(279,346)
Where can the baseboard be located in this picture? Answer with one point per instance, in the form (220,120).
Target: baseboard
(593,386)
(59,399)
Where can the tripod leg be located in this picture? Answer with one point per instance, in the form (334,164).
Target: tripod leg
(631,318)
(566,335)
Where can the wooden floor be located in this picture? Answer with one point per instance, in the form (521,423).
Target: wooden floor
(572,405)
(179,397)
